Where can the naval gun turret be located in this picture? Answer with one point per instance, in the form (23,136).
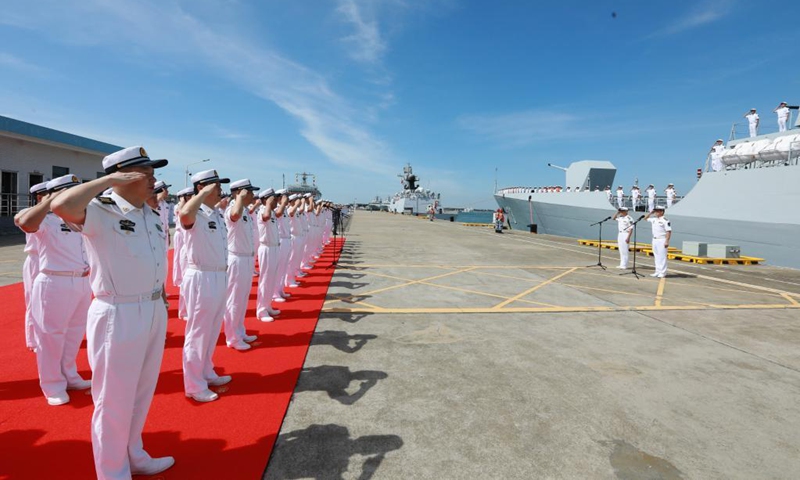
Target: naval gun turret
(409,180)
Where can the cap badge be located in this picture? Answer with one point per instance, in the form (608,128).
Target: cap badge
(75,179)
(142,152)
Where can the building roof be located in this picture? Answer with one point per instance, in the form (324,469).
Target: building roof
(49,135)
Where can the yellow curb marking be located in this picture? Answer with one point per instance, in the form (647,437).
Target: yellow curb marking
(660,292)
(534,288)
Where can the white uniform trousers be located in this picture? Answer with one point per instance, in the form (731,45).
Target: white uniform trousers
(781,124)
(753,129)
(268,260)
(240,282)
(298,245)
(660,254)
(622,243)
(308,249)
(177,264)
(284,253)
(205,305)
(182,261)
(651,203)
(669,201)
(125,344)
(29,271)
(60,316)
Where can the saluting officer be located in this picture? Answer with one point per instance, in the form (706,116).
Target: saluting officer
(61,295)
(268,256)
(178,250)
(161,192)
(128,317)
(651,197)
(752,121)
(662,231)
(241,263)
(30,269)
(625,228)
(670,193)
(285,248)
(205,283)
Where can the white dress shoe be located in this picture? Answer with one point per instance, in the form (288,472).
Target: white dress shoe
(286,295)
(273,312)
(250,338)
(302,274)
(58,399)
(653,274)
(204,396)
(241,346)
(156,465)
(293,285)
(82,385)
(266,319)
(279,299)
(661,276)
(220,380)
(622,268)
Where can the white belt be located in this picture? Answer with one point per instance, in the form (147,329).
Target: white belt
(144,297)
(207,269)
(83,273)
(235,254)
(270,245)
(659,238)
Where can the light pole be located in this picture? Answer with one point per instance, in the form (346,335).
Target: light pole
(186,173)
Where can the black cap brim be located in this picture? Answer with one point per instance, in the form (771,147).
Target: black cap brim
(144,163)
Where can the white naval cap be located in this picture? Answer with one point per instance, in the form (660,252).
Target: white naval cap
(160,185)
(39,188)
(752,109)
(670,184)
(281,191)
(266,193)
(185,191)
(623,208)
(658,207)
(720,140)
(130,157)
(208,176)
(243,184)
(63,182)
(293,197)
(307,195)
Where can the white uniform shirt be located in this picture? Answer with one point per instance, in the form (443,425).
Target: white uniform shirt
(268,233)
(126,247)
(295,226)
(716,157)
(207,240)
(163,211)
(651,193)
(60,248)
(670,192)
(660,226)
(624,223)
(284,229)
(752,118)
(240,234)
(783,113)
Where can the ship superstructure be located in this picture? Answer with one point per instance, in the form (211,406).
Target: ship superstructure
(413,198)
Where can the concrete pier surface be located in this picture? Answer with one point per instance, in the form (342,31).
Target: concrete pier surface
(452,352)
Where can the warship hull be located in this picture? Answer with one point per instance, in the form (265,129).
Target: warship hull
(755,209)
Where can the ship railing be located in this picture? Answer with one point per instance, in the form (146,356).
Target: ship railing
(742,129)
(641,202)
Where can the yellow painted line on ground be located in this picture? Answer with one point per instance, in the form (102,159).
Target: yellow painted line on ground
(660,291)
(643,308)
(450,267)
(534,288)
(475,292)
(791,299)
(371,292)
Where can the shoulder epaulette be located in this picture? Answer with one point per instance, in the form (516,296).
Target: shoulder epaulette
(107,200)
(156,211)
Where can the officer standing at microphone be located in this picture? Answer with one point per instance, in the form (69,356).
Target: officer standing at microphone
(662,231)
(625,226)
(127,320)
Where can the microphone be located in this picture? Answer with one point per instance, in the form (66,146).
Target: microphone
(641,218)
(607,219)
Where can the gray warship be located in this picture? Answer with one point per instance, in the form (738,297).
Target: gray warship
(751,201)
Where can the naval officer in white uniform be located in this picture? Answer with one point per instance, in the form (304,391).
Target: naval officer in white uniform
(178,252)
(662,231)
(752,121)
(651,197)
(782,111)
(620,197)
(61,295)
(161,192)
(241,263)
(625,229)
(205,283)
(716,155)
(30,268)
(268,256)
(670,193)
(128,317)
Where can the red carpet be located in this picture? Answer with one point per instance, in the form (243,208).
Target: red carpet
(229,438)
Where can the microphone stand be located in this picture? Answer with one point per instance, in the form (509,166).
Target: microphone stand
(336,216)
(633,270)
(599,243)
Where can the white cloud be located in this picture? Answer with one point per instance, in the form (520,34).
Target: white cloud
(366,43)
(522,128)
(703,13)
(12,62)
(167,31)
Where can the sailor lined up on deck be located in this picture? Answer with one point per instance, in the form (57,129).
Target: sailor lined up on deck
(662,231)
(752,121)
(716,155)
(782,111)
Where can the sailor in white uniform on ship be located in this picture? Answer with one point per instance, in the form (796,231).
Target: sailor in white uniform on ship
(662,231)
(205,283)
(670,193)
(782,111)
(625,229)
(635,194)
(178,250)
(651,197)
(61,295)
(620,197)
(608,193)
(269,255)
(716,155)
(128,317)
(752,121)
(30,269)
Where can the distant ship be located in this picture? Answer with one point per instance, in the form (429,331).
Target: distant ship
(753,202)
(301,184)
(413,198)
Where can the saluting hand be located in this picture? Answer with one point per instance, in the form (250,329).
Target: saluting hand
(122,178)
(208,188)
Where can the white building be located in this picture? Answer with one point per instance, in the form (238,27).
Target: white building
(31,154)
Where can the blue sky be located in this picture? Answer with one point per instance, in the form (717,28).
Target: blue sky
(351,90)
